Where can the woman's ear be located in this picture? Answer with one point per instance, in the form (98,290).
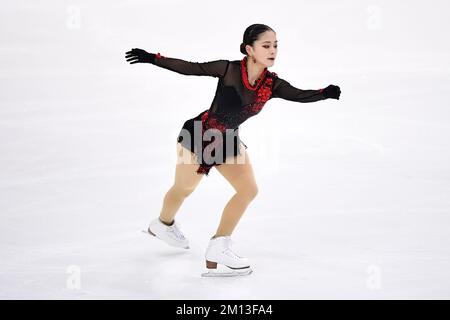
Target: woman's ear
(249,49)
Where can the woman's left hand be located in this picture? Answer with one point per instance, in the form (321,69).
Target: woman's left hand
(332,92)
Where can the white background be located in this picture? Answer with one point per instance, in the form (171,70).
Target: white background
(353,193)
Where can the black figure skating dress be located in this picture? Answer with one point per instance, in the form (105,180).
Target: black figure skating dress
(235,101)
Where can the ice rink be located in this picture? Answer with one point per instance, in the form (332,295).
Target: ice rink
(354,194)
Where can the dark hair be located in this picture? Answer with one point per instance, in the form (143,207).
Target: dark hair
(252,33)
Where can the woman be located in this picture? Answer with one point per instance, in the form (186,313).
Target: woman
(211,139)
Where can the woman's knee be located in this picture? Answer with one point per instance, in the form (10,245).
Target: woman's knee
(248,192)
(181,190)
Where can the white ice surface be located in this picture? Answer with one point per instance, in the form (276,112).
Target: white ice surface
(354,195)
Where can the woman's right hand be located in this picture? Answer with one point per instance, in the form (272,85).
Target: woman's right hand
(137,55)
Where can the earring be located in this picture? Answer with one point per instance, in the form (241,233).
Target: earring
(254,60)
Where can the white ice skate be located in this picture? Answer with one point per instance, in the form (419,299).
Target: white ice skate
(171,235)
(222,261)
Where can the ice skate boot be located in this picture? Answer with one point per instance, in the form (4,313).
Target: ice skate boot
(171,235)
(222,261)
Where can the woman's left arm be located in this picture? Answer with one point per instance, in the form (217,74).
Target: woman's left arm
(284,90)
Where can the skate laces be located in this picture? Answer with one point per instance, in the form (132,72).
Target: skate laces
(231,254)
(174,229)
(229,250)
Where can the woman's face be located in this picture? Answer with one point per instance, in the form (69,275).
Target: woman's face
(265,48)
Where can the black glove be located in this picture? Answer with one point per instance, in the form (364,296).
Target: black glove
(332,92)
(138,55)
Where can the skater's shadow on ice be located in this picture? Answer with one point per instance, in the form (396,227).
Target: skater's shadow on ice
(164,254)
(168,254)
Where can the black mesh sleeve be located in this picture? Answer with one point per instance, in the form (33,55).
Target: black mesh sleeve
(216,68)
(284,90)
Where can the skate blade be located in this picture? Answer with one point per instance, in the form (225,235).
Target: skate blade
(149,232)
(227,273)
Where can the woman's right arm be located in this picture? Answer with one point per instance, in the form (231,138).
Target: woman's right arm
(216,68)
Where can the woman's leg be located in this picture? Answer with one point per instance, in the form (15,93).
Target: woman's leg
(240,175)
(186,179)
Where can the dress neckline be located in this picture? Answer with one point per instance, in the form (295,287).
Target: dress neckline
(244,75)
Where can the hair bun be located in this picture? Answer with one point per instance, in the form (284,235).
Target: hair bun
(243,51)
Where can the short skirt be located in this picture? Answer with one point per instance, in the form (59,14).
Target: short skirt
(194,142)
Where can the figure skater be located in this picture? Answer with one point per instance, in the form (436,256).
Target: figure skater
(211,139)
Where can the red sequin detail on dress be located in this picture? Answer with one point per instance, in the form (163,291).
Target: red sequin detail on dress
(245,76)
(210,123)
(261,96)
